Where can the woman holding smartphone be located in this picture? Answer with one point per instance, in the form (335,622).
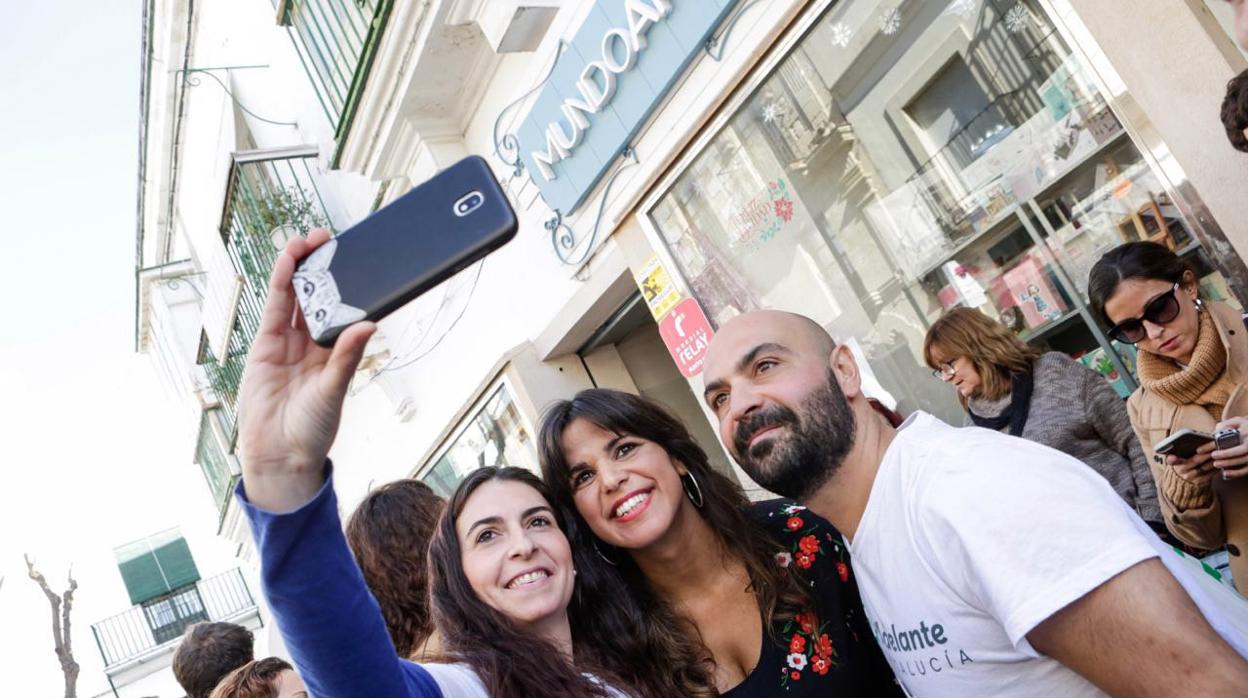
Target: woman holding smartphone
(720,596)
(502,570)
(1193,369)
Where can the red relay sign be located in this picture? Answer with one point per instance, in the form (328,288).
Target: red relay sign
(687,334)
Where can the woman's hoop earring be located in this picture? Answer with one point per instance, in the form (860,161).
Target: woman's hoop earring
(603,555)
(692,490)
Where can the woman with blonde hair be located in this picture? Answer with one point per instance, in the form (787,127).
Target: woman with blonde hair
(1006,385)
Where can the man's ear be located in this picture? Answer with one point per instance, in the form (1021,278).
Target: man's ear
(845,368)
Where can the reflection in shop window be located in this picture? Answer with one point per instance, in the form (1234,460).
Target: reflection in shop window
(495,436)
(876,179)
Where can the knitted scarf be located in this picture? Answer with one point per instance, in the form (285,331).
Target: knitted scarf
(1204,382)
(1014,415)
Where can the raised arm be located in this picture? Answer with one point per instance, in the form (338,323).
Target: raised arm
(291,398)
(289,408)
(1140,635)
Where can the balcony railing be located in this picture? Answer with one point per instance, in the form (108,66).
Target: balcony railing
(271,196)
(214,463)
(144,628)
(336,41)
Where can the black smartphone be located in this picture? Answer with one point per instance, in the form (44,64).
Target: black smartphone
(418,241)
(1182,443)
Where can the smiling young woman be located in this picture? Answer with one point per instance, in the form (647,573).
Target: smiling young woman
(1193,371)
(698,587)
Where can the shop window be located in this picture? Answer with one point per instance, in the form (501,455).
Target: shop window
(494,436)
(813,196)
(953,113)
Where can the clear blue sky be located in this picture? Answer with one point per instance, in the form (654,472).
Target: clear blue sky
(95,452)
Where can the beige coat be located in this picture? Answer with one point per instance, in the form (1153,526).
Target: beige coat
(1215,514)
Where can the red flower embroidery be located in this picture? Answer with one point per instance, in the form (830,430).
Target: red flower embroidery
(842,570)
(824,646)
(784,209)
(806,621)
(797,644)
(794,523)
(808,545)
(820,665)
(794,675)
(805,560)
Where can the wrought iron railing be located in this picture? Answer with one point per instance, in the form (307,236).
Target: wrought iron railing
(214,463)
(270,196)
(161,621)
(336,41)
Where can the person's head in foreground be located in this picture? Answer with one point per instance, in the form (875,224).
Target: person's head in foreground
(1235,111)
(264,678)
(209,651)
(787,398)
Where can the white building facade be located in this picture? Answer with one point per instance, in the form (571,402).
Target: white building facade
(869,163)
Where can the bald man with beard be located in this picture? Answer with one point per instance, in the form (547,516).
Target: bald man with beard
(989,565)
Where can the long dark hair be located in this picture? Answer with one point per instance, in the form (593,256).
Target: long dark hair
(389,534)
(1132,260)
(630,627)
(512,662)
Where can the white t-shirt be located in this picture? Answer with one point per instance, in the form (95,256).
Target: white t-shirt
(971,538)
(461,681)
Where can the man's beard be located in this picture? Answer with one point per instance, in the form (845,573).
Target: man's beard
(799,463)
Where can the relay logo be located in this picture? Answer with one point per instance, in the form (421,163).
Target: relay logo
(687,334)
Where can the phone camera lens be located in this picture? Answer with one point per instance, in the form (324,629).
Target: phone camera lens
(320,314)
(308,288)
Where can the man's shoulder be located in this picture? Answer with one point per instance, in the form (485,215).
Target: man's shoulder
(949,469)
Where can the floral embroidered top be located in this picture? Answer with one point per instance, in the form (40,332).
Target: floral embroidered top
(830,651)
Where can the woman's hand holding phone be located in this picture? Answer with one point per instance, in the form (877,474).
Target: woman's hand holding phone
(290,401)
(1196,469)
(1233,461)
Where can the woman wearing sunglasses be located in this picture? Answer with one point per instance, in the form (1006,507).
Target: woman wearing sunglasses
(1006,385)
(1193,368)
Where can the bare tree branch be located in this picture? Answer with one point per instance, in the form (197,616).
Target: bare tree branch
(61,606)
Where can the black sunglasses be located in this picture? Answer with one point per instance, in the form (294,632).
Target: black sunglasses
(1159,311)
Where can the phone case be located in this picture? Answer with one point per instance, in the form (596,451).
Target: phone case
(399,252)
(1183,443)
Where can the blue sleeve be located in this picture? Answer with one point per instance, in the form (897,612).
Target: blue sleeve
(332,625)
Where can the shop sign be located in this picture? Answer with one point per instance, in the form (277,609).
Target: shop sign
(622,62)
(657,288)
(687,334)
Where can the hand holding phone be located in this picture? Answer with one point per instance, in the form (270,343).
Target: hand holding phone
(415,243)
(1183,443)
(290,403)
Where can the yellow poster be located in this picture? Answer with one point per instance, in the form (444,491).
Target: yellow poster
(656,287)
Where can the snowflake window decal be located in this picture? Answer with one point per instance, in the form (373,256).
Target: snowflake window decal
(1017,19)
(890,22)
(841,34)
(771,113)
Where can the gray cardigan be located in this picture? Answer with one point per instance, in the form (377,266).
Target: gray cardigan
(1074,410)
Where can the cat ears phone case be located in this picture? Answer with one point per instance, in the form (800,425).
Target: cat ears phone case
(401,251)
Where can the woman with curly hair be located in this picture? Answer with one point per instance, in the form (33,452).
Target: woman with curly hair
(389,534)
(1006,385)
